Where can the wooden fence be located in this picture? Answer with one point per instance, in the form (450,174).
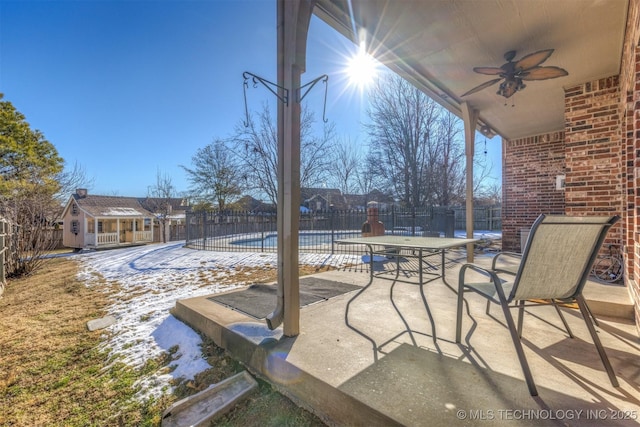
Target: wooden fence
(4,245)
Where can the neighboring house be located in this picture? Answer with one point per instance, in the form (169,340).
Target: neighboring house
(93,222)
(322,199)
(253,205)
(361,202)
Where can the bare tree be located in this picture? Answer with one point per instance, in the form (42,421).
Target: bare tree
(71,179)
(159,200)
(29,212)
(418,144)
(490,193)
(257,143)
(484,185)
(216,175)
(403,127)
(257,146)
(369,175)
(347,158)
(447,177)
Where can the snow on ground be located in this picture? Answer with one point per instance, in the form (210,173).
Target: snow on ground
(151,279)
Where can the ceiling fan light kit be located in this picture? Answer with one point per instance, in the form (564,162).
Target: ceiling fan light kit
(511,74)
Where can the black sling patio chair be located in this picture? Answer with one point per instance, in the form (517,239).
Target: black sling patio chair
(555,265)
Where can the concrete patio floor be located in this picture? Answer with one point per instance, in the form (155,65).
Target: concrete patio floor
(336,373)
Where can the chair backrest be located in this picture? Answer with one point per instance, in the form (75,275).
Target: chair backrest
(558,256)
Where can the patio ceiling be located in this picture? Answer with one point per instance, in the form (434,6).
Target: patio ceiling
(436,43)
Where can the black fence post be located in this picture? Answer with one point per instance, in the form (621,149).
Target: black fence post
(393,217)
(413,220)
(204,229)
(331,208)
(262,234)
(187,220)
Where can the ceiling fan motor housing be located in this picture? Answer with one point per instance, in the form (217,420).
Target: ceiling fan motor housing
(510,86)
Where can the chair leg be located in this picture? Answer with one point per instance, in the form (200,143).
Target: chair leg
(564,321)
(459,312)
(595,321)
(520,318)
(519,350)
(596,340)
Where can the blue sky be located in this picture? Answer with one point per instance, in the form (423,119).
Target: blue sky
(127,88)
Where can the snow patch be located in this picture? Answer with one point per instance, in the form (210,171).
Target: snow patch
(151,279)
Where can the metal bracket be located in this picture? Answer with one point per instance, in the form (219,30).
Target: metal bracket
(311,84)
(284,98)
(266,83)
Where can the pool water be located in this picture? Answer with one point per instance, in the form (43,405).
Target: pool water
(304,239)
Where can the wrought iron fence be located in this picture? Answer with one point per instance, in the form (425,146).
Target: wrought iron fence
(319,230)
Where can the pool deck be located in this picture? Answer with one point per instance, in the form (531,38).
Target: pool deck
(408,379)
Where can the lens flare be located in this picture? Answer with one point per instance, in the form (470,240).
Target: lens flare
(362,68)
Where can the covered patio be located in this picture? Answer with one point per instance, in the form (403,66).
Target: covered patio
(580,129)
(334,371)
(569,141)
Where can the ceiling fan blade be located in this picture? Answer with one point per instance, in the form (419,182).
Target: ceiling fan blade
(533,59)
(482,86)
(490,71)
(543,73)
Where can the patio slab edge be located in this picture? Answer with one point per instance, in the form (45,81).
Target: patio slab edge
(262,356)
(609,300)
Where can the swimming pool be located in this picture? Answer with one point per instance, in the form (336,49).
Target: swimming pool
(305,239)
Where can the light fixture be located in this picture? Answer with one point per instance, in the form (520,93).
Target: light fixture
(487,131)
(510,86)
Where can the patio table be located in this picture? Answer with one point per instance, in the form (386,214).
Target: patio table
(404,247)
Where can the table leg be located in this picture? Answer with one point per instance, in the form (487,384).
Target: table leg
(444,280)
(346,313)
(424,299)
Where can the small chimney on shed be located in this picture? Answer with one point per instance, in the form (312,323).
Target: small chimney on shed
(81,193)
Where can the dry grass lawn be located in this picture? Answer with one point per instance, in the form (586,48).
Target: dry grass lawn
(52,373)
(46,347)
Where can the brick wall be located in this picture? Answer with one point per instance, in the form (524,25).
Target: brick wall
(588,153)
(630,77)
(529,183)
(593,150)
(599,151)
(634,284)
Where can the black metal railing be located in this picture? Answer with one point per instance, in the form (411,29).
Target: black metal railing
(319,230)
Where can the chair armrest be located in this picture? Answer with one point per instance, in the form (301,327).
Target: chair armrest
(488,288)
(511,269)
(491,274)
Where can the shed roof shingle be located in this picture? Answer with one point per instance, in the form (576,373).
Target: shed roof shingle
(116,206)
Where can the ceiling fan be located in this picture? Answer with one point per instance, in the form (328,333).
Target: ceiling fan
(514,73)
